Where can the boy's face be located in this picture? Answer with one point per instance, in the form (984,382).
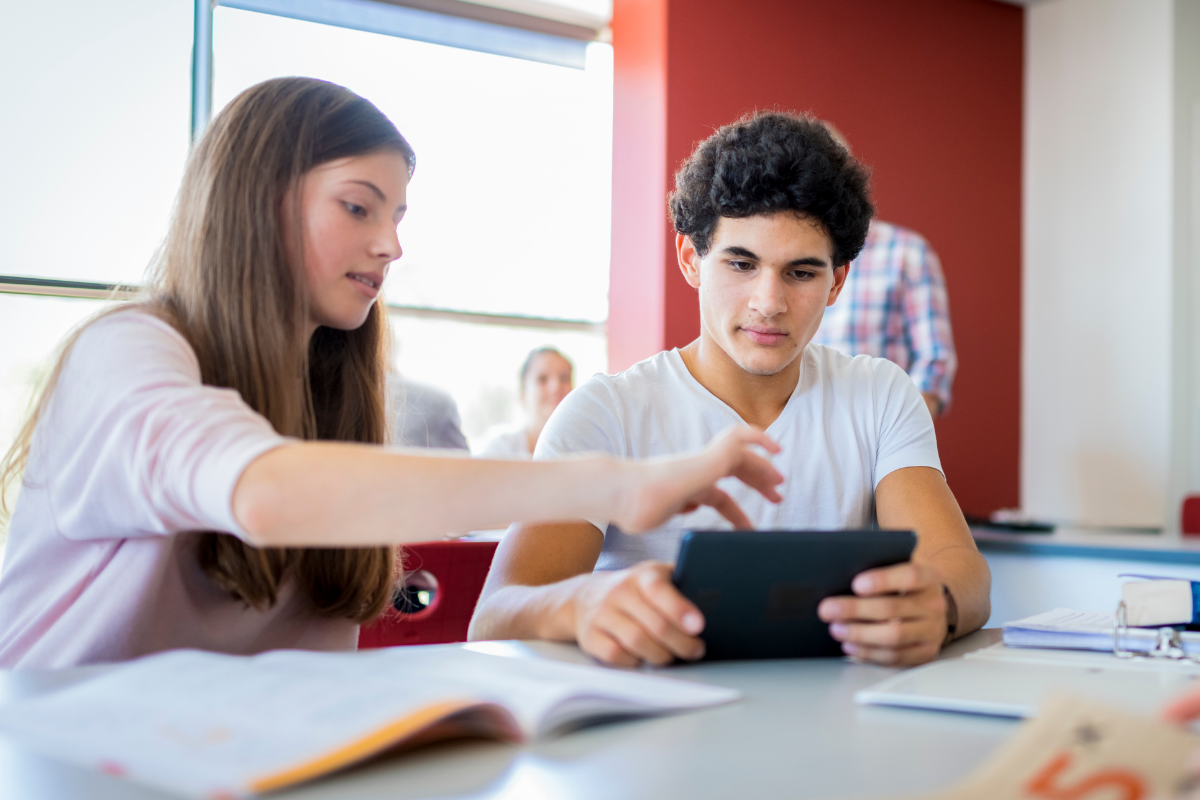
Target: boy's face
(764,285)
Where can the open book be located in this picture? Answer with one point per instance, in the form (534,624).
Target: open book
(220,726)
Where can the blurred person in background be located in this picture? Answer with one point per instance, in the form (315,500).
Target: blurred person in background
(422,415)
(894,306)
(546,378)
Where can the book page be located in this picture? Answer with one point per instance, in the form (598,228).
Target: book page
(208,724)
(545,695)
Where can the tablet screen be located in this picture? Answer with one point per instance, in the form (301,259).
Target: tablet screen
(759,590)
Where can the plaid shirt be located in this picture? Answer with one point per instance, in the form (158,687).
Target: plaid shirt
(894,305)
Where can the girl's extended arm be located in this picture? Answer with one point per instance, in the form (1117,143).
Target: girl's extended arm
(311,494)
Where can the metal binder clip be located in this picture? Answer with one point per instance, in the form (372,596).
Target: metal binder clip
(1119,628)
(1168,642)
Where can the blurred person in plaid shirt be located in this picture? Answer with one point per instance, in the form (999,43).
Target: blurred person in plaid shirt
(894,306)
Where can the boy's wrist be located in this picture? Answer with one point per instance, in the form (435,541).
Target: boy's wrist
(557,624)
(951,615)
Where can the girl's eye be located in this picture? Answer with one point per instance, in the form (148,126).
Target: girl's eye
(356,210)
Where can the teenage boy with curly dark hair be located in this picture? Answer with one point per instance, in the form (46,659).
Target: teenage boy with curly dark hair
(768,211)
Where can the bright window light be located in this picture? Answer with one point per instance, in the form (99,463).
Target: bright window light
(97,111)
(509,208)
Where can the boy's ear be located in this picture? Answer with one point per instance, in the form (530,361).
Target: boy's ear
(839,281)
(689,260)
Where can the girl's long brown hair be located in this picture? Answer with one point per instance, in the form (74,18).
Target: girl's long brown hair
(224,280)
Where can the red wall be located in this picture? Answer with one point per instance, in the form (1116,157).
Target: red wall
(928,92)
(637,311)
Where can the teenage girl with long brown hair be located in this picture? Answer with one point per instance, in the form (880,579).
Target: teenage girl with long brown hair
(203,467)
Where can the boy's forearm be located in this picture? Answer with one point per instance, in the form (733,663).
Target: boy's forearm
(528,612)
(969,579)
(917,498)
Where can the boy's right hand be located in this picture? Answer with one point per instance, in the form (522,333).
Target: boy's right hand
(636,615)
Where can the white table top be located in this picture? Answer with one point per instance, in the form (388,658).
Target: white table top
(796,734)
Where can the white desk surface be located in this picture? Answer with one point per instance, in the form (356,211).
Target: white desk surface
(796,734)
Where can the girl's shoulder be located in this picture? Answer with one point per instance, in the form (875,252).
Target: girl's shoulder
(132,321)
(135,336)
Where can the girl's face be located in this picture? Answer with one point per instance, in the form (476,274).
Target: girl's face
(349,210)
(546,384)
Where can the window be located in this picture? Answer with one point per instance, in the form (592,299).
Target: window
(31,328)
(509,206)
(95,134)
(96,137)
(507,241)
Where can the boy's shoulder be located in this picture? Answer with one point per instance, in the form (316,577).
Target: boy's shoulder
(649,379)
(610,412)
(860,386)
(832,365)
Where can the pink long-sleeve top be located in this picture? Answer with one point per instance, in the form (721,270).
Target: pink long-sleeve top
(132,455)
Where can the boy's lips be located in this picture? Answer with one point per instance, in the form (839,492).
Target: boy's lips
(764,335)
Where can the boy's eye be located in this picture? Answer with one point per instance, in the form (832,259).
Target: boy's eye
(741,266)
(801,275)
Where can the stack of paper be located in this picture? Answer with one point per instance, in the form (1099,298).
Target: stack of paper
(1010,682)
(1065,629)
(212,725)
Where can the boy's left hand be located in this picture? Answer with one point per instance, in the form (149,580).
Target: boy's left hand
(897,615)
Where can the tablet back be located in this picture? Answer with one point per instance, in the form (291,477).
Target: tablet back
(759,590)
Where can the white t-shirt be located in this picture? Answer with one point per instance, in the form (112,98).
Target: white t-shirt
(849,422)
(508,442)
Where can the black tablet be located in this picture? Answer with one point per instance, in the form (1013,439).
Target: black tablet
(759,590)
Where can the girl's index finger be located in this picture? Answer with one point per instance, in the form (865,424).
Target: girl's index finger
(743,436)
(760,475)
(760,438)
(727,507)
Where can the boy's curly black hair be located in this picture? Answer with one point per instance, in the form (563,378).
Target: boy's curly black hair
(769,162)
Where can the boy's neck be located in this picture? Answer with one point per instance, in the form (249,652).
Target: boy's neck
(757,399)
